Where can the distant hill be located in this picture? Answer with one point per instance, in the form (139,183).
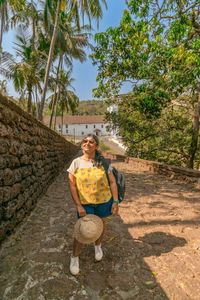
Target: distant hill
(86,107)
(91,107)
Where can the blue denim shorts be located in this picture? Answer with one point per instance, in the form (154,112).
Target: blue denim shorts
(102,210)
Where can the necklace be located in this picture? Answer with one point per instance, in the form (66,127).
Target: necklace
(90,159)
(87,159)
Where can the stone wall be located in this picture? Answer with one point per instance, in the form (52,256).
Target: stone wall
(167,170)
(31,156)
(143,165)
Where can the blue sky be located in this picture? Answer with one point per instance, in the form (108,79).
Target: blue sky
(83,73)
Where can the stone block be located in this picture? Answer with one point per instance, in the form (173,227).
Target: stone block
(26,195)
(39,148)
(24,160)
(26,171)
(6,191)
(1,213)
(2,162)
(2,232)
(4,146)
(1,195)
(20,214)
(5,131)
(24,126)
(26,183)
(20,201)
(15,190)
(12,161)
(10,209)
(29,205)
(8,177)
(17,175)
(36,155)
(7,116)
(40,172)
(14,147)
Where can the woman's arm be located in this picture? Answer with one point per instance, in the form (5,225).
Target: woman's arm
(114,191)
(74,194)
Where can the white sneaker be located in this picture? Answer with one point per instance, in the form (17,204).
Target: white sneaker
(98,252)
(74,265)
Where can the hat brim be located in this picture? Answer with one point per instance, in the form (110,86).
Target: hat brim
(99,229)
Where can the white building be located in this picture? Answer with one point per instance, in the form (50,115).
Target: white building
(78,126)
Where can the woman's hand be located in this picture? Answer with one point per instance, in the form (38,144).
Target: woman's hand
(81,210)
(115,209)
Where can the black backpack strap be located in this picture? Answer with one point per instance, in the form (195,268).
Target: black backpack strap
(105,162)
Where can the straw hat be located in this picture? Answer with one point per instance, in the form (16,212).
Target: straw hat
(88,229)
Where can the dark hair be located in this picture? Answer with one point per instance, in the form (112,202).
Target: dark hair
(92,136)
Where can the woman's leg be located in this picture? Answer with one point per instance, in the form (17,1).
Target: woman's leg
(74,261)
(76,248)
(97,246)
(103,211)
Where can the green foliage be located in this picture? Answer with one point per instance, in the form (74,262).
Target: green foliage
(156,48)
(104,147)
(165,138)
(3,87)
(57,32)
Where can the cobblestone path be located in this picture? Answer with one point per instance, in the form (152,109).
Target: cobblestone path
(151,250)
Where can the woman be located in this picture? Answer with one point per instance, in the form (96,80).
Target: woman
(91,192)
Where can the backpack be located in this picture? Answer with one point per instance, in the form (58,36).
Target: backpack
(119,177)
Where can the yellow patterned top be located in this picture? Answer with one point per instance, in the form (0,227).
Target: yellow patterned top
(91,181)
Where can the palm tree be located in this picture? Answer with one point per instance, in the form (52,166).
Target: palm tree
(3,87)
(69,44)
(63,98)
(4,20)
(92,9)
(66,100)
(30,16)
(25,74)
(5,8)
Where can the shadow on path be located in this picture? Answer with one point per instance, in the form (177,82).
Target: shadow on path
(35,259)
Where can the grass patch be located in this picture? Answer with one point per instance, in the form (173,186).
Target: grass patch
(104,147)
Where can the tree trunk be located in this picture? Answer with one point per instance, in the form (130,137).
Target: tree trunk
(1,29)
(50,57)
(36,101)
(29,105)
(53,107)
(58,95)
(62,122)
(33,33)
(55,98)
(195,134)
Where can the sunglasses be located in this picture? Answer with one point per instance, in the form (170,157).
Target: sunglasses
(88,141)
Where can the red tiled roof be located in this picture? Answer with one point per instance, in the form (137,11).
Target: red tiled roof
(77,119)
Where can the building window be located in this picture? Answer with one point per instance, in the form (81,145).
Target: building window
(59,126)
(82,133)
(94,126)
(101,126)
(86,126)
(66,131)
(66,126)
